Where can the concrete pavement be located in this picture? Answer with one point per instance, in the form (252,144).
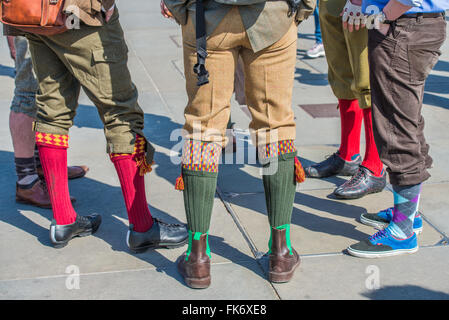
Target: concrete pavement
(322,227)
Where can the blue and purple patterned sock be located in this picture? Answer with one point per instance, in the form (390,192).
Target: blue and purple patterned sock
(406,201)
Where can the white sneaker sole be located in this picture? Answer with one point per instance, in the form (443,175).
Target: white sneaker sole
(374,255)
(316,55)
(381,225)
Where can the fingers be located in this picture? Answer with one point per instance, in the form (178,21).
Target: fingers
(109,14)
(345,15)
(357,24)
(164,10)
(345,19)
(351,24)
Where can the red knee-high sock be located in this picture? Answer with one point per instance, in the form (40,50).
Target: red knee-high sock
(351,125)
(131,176)
(371,160)
(53,156)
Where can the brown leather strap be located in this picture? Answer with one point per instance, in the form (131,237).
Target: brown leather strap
(44,17)
(423,14)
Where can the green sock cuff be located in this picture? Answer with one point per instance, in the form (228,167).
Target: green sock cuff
(204,174)
(287,238)
(196,236)
(280,157)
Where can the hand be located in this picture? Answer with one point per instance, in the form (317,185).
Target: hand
(352,16)
(108,14)
(164,10)
(383,28)
(12,47)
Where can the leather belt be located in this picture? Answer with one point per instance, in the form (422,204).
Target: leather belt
(424,15)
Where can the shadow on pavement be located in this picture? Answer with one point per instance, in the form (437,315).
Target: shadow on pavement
(407,292)
(7,71)
(106,200)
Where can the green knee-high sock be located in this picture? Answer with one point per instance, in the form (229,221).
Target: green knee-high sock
(280,189)
(199,193)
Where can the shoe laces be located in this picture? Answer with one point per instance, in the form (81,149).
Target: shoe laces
(357,178)
(168,225)
(315,46)
(379,235)
(83,220)
(328,158)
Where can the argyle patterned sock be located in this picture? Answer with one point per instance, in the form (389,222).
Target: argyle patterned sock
(37,160)
(406,201)
(131,169)
(53,155)
(351,117)
(26,172)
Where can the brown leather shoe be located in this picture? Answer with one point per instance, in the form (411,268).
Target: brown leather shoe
(37,195)
(196,270)
(282,264)
(74,172)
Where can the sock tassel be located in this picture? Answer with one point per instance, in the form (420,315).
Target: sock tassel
(142,164)
(299,171)
(179,185)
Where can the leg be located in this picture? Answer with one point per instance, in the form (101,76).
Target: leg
(207,115)
(316,16)
(100,65)
(269,76)
(347,160)
(29,189)
(397,103)
(57,102)
(318,49)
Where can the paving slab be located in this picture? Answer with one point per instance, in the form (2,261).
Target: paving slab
(434,202)
(321,224)
(147,284)
(340,277)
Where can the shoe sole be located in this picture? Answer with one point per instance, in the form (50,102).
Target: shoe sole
(59,245)
(353,197)
(341,174)
(283,277)
(28,202)
(316,55)
(374,255)
(81,175)
(35,204)
(198,283)
(160,246)
(381,225)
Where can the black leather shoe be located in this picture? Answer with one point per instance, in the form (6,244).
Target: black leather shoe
(334,165)
(82,227)
(363,183)
(161,235)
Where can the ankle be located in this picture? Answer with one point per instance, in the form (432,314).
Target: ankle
(198,245)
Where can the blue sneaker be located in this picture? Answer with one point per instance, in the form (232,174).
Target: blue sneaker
(382,219)
(383,244)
